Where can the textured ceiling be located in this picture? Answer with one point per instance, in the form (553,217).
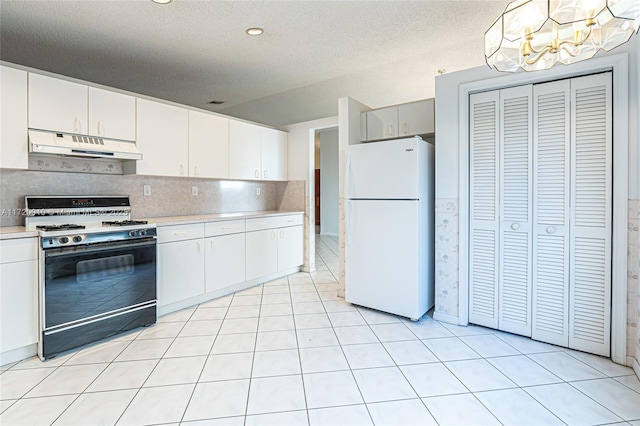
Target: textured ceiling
(193,52)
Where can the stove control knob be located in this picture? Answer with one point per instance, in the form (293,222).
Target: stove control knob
(77,238)
(143,232)
(63,240)
(132,233)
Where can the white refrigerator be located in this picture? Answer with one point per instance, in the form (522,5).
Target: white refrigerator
(389,221)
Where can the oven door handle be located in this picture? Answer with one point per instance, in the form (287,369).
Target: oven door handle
(75,250)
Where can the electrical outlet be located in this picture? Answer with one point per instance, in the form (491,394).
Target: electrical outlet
(146,190)
(194,190)
(257,191)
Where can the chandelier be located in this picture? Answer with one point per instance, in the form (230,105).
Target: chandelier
(536,34)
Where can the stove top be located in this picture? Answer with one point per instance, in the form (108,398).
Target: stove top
(124,222)
(62,227)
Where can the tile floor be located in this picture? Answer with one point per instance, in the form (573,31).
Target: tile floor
(291,353)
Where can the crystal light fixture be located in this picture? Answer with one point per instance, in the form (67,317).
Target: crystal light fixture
(536,34)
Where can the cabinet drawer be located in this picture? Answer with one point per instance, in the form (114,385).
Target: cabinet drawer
(19,249)
(263,223)
(292,220)
(226,227)
(167,234)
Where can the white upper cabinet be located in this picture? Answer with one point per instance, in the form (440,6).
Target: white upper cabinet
(13,118)
(382,123)
(111,115)
(274,154)
(163,139)
(208,145)
(57,105)
(416,118)
(245,150)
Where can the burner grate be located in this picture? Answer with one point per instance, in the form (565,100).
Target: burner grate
(59,227)
(124,222)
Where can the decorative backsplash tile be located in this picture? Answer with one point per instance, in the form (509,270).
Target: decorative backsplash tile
(74,165)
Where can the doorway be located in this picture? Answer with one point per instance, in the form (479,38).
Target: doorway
(326,183)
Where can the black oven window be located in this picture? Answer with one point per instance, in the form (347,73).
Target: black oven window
(115,267)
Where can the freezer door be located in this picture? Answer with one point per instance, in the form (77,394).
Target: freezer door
(385,257)
(384,170)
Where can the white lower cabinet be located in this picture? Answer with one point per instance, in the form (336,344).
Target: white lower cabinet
(18,294)
(290,247)
(224,261)
(180,263)
(262,253)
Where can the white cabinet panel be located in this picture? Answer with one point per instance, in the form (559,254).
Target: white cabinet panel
(245,150)
(13,119)
(290,247)
(208,145)
(191,231)
(260,223)
(225,227)
(18,304)
(224,261)
(163,139)
(416,118)
(262,253)
(57,105)
(111,114)
(274,154)
(180,271)
(382,123)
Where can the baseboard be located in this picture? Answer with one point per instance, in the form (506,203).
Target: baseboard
(18,354)
(167,309)
(636,367)
(449,319)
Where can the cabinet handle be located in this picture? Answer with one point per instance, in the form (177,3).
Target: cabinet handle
(273,235)
(180,233)
(211,243)
(515,226)
(390,130)
(265,174)
(281,234)
(76,125)
(405,128)
(226,227)
(181,170)
(290,220)
(262,223)
(100,128)
(257,173)
(195,170)
(198,246)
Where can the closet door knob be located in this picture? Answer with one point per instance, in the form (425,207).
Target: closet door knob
(515,226)
(551,230)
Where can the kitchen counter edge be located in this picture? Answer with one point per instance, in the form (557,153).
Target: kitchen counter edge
(184,220)
(12,232)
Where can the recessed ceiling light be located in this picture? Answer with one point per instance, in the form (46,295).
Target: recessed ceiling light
(161,1)
(254,31)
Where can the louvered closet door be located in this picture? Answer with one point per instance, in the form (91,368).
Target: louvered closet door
(551,175)
(484,224)
(514,288)
(591,198)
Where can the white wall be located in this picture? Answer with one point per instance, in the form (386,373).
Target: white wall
(329,178)
(301,167)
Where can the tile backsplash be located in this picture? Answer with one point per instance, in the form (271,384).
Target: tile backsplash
(170,196)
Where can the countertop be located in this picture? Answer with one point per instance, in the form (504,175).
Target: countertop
(182,220)
(10,232)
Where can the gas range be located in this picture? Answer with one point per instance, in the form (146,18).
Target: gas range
(70,221)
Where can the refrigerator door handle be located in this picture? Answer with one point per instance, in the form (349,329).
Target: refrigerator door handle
(348,179)
(348,216)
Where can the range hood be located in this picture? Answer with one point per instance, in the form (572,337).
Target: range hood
(41,142)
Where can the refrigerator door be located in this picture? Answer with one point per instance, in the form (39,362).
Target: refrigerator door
(384,170)
(384,270)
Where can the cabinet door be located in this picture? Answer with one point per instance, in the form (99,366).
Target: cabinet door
(224,261)
(112,115)
(551,150)
(245,150)
(483,209)
(262,253)
(416,118)
(274,154)
(13,119)
(290,247)
(57,105)
(18,304)
(163,139)
(180,271)
(382,123)
(208,145)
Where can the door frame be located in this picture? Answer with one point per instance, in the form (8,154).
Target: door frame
(618,64)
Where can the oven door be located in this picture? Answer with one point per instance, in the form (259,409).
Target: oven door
(95,291)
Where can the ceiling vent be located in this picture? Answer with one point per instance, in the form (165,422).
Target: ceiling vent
(215,102)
